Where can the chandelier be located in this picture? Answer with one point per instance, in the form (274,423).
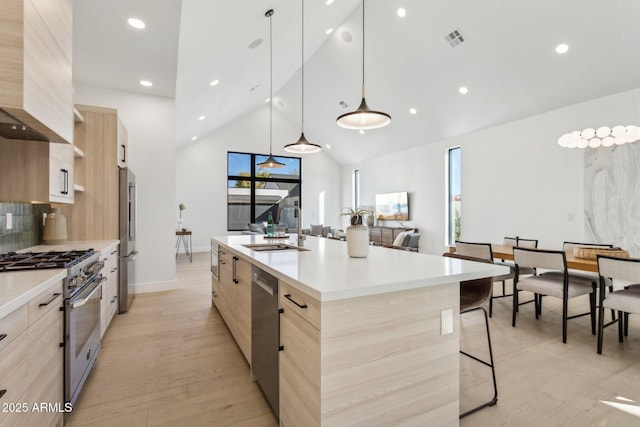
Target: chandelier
(603,136)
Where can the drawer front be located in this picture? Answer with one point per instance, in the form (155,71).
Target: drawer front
(45,352)
(47,300)
(13,325)
(18,419)
(308,308)
(13,374)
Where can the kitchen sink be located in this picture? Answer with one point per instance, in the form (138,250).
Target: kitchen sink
(263,247)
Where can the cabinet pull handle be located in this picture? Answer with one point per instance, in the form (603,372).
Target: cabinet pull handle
(124,153)
(288,296)
(52,299)
(2,392)
(2,336)
(114,299)
(235,277)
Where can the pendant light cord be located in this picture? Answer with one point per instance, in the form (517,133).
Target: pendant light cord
(363,49)
(302,70)
(270,83)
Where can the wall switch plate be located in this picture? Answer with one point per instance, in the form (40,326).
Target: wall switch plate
(446,321)
(9,221)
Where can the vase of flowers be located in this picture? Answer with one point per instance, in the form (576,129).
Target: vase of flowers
(357,232)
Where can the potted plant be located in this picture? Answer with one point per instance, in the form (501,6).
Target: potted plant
(357,232)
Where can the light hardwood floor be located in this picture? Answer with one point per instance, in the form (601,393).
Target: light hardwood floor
(171,361)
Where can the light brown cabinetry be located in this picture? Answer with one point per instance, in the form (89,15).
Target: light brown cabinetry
(31,364)
(370,360)
(232,297)
(94,216)
(385,235)
(36,171)
(109,301)
(36,57)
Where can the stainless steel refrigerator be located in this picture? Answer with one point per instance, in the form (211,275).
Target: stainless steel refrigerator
(127,231)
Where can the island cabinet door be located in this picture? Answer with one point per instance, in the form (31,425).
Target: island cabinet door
(225,275)
(242,306)
(299,371)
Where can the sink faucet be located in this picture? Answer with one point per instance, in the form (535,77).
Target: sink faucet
(300,236)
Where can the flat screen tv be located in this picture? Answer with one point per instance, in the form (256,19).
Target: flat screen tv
(392,206)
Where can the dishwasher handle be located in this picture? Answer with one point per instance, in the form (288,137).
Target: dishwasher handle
(267,287)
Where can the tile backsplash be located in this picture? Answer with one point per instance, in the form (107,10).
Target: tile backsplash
(27,225)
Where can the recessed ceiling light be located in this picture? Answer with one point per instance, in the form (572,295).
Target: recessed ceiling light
(201,118)
(463,90)
(146,83)
(254,44)
(329,2)
(194,138)
(361,132)
(401,12)
(327,145)
(267,100)
(329,31)
(214,82)
(346,36)
(413,110)
(136,23)
(280,103)
(562,48)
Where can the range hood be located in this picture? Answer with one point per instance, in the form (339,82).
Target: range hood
(12,128)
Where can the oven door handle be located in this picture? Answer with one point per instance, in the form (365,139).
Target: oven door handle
(83,301)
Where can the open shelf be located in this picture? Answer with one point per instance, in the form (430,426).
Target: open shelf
(78,187)
(77,117)
(77,152)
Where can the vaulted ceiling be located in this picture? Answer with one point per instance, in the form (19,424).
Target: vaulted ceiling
(507,61)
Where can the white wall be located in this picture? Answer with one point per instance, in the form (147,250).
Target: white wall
(516,180)
(150,122)
(201,174)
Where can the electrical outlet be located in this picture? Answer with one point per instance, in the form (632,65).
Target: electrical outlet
(446,321)
(9,221)
(44,218)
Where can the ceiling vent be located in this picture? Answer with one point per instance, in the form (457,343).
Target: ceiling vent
(343,104)
(455,37)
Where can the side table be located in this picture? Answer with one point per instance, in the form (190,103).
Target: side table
(184,238)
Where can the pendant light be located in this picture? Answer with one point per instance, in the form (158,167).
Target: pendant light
(364,117)
(302,146)
(271,162)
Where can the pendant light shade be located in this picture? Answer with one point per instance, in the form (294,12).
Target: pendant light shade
(364,117)
(302,145)
(271,162)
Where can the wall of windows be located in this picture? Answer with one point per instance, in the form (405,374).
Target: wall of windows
(454,196)
(254,192)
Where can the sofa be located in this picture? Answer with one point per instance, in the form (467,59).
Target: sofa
(320,230)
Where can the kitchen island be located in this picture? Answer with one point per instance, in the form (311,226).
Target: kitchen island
(362,338)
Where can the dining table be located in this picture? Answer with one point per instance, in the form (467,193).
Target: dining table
(505,252)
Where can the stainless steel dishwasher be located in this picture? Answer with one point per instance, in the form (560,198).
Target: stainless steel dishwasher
(265,335)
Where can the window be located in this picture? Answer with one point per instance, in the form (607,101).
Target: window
(454,198)
(355,184)
(254,192)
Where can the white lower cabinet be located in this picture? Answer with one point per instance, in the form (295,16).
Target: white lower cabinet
(109,302)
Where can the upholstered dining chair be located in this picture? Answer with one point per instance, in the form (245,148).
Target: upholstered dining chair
(513,242)
(474,294)
(625,301)
(483,250)
(559,286)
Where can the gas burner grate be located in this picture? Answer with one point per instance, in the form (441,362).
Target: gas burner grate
(13,261)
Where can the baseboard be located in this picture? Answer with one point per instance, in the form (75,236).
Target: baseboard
(141,288)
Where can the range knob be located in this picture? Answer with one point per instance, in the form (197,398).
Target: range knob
(75,281)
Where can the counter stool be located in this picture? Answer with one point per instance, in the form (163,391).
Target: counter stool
(473,295)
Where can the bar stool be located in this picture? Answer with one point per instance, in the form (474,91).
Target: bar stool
(473,295)
(184,238)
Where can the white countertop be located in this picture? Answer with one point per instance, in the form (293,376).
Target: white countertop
(327,273)
(17,288)
(96,245)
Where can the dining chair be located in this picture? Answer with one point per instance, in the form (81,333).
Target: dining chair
(474,294)
(559,286)
(625,301)
(484,251)
(585,276)
(513,242)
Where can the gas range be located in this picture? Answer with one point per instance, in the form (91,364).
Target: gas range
(81,265)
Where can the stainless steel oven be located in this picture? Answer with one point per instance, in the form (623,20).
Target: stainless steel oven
(82,330)
(214,259)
